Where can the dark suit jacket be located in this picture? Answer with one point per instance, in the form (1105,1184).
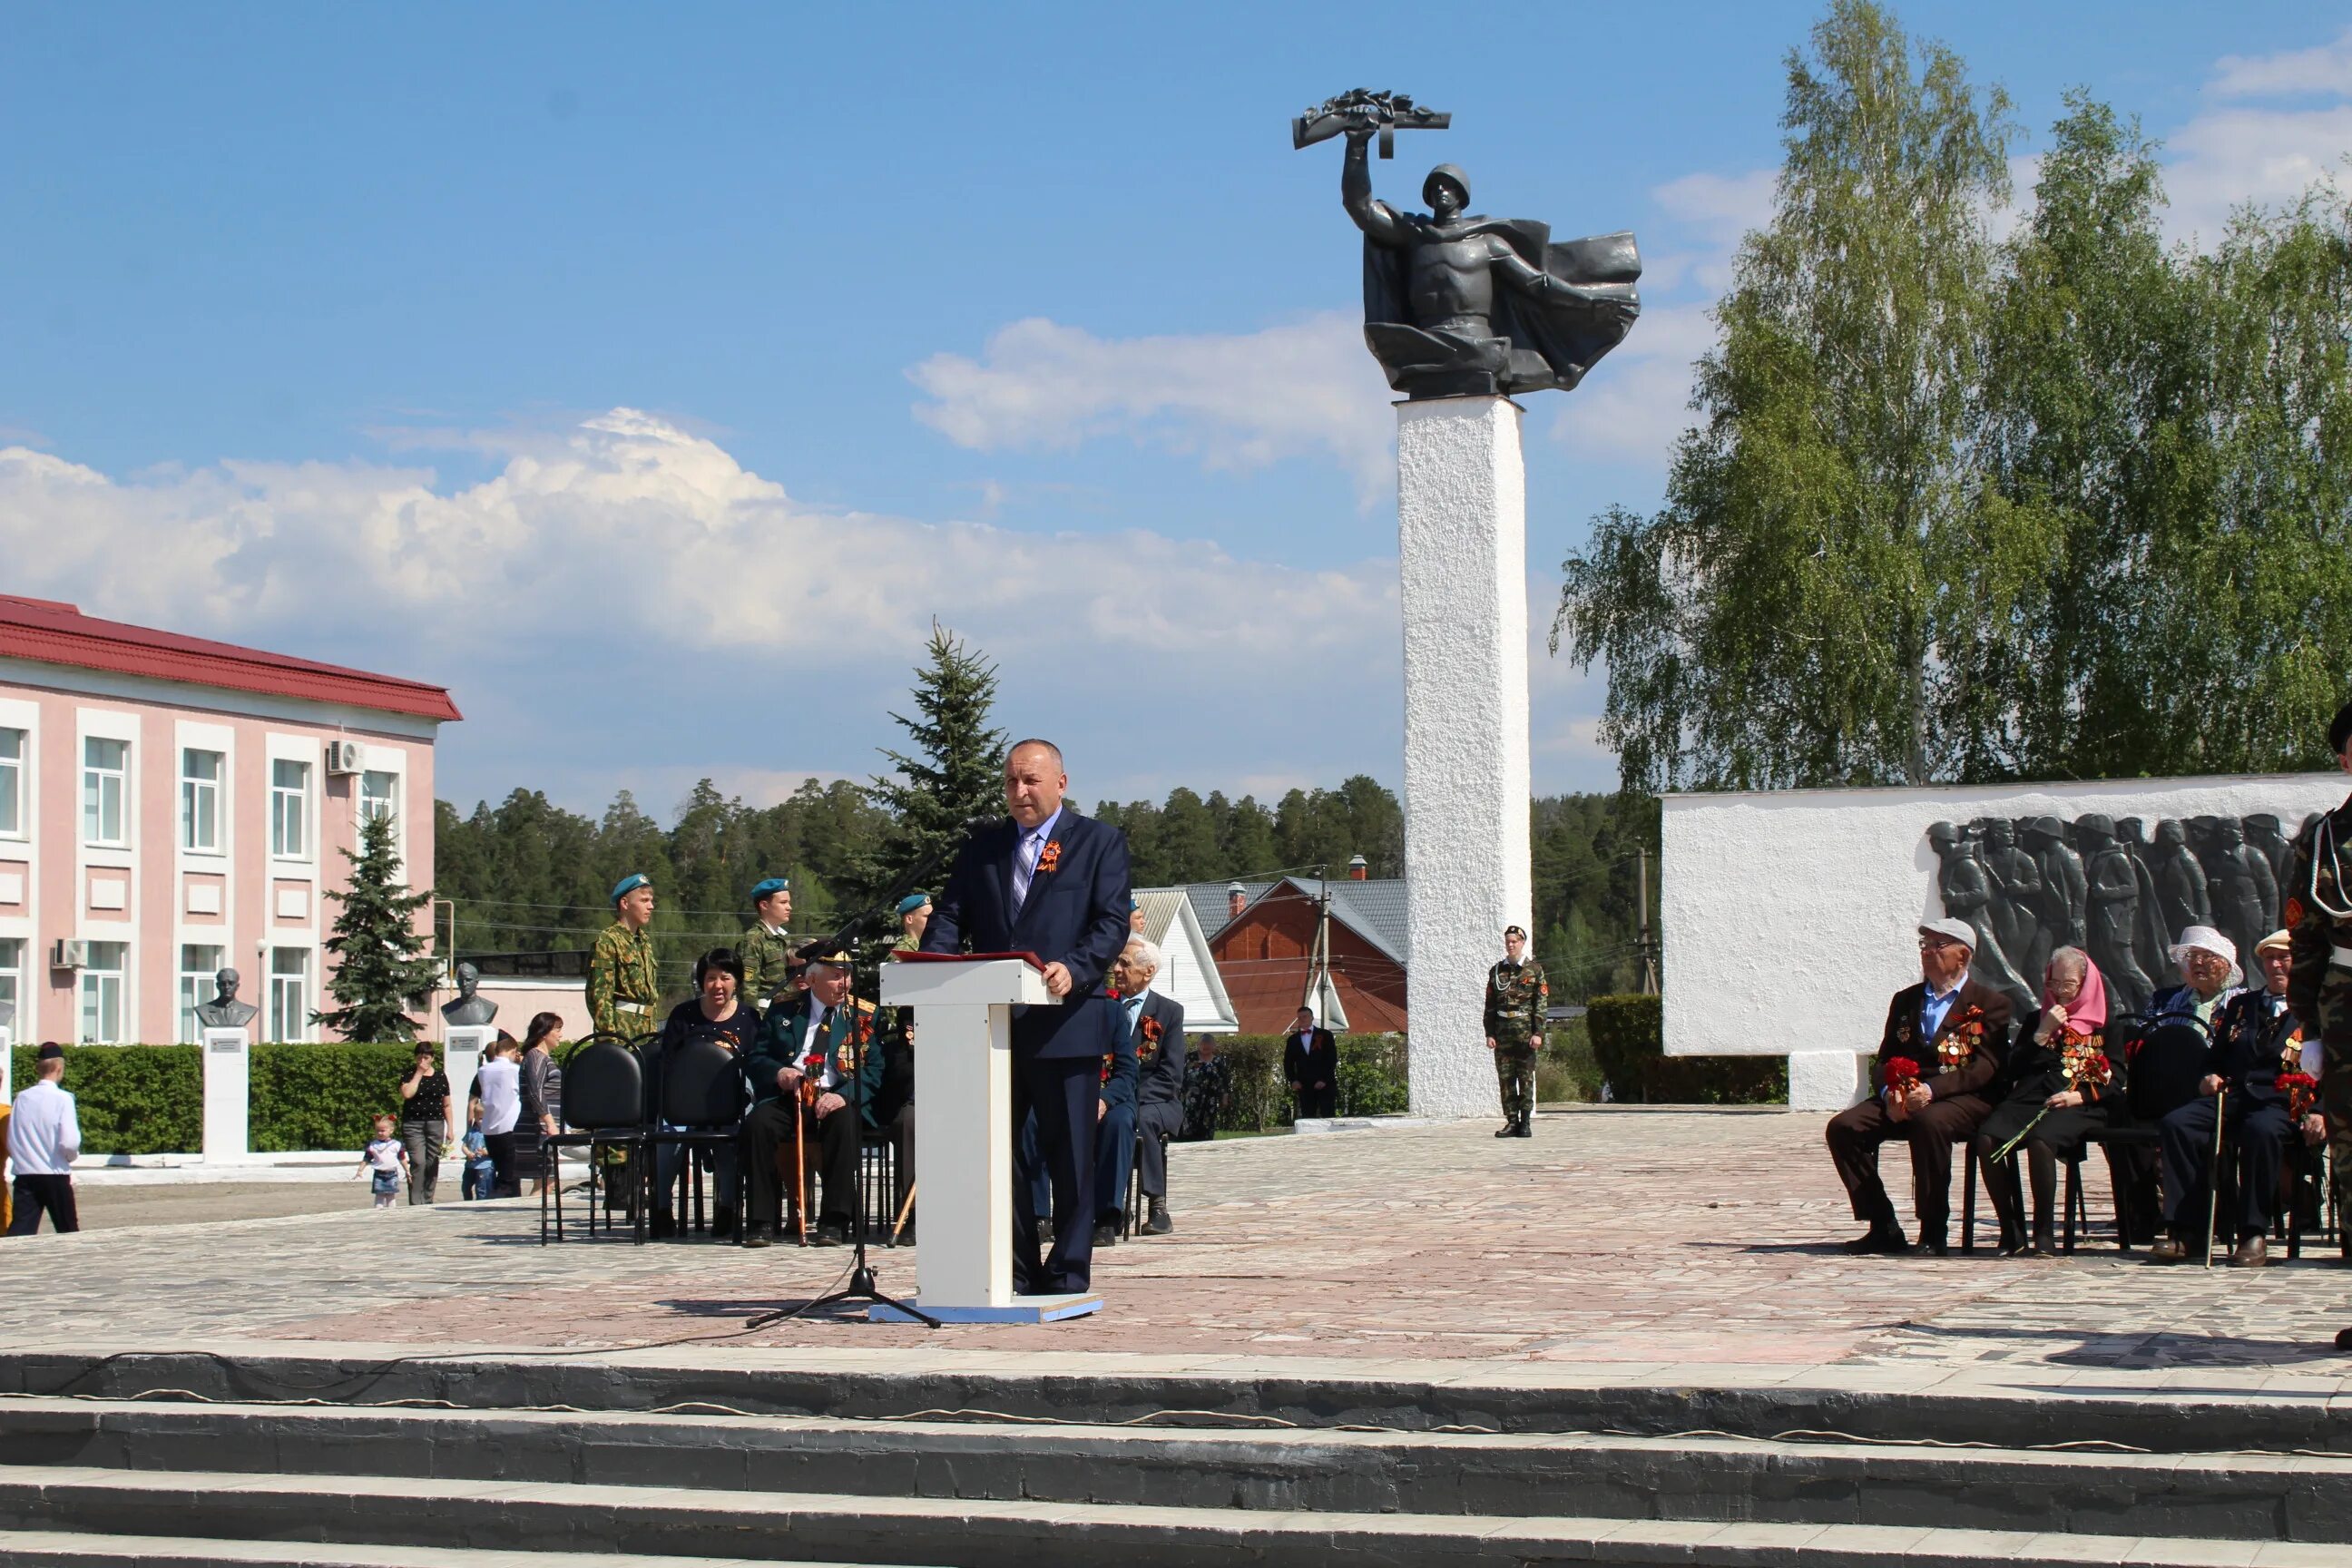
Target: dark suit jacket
(1121,1071)
(1978,1006)
(2247,1044)
(1323,1067)
(780,1042)
(1075,915)
(1163,1059)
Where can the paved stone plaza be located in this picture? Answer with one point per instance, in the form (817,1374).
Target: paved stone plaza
(1644,1245)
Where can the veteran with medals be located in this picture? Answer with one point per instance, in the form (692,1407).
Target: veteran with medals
(1941,1051)
(801,1126)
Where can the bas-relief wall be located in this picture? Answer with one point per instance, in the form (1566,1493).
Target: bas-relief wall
(1789,918)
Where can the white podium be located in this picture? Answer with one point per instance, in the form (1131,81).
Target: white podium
(964,1139)
(229,1080)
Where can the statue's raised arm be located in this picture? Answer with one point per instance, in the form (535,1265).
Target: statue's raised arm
(1432,314)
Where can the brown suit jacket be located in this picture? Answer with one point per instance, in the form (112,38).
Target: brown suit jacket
(1978,1009)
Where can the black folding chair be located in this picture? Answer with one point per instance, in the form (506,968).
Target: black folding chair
(2165,1060)
(1132,1221)
(603,1108)
(698,1104)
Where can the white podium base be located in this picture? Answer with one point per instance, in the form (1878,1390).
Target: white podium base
(1024,1310)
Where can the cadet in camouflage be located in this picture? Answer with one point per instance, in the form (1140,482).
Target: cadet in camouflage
(764,949)
(1517,993)
(623,989)
(2316,904)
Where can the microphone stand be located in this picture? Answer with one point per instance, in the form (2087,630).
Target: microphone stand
(862,1286)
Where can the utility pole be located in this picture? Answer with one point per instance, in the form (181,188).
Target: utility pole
(1642,896)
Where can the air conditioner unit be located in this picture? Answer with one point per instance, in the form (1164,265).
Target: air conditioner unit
(345,758)
(67,954)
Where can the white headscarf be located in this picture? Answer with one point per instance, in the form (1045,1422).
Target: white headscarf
(2205,939)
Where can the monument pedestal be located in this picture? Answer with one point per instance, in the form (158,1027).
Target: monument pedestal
(1462,548)
(963,1140)
(462,1045)
(1826,1080)
(228,1076)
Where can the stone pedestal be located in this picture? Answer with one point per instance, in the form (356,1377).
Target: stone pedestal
(1462,551)
(462,1047)
(228,1069)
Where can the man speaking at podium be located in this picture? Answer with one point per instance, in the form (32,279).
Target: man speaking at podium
(1054,883)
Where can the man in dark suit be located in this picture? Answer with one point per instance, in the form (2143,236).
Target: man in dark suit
(1955,1030)
(1129,1134)
(1310,1066)
(1051,882)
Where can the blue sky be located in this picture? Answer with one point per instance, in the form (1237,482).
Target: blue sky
(653,377)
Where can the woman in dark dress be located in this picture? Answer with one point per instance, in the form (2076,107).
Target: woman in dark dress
(543,1095)
(2061,1083)
(716,1011)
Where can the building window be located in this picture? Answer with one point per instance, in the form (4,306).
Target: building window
(289,993)
(12,985)
(379,794)
(200,782)
(198,964)
(12,782)
(105,780)
(289,809)
(101,992)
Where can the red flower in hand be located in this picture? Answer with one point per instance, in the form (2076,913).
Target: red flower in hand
(1902,1072)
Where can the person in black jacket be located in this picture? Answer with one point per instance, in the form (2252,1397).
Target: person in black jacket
(1131,1136)
(1310,1066)
(2256,1042)
(1050,883)
(2061,1082)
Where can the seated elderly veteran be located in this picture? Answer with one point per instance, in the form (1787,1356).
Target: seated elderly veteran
(1941,1050)
(2257,1086)
(2060,1084)
(1155,1025)
(801,1074)
(717,1011)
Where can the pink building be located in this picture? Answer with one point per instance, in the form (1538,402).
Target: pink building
(171,807)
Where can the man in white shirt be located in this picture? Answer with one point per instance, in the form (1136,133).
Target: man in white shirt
(44,1138)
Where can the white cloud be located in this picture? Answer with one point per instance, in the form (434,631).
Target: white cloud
(1237,401)
(2223,160)
(2326,68)
(1720,208)
(628,565)
(1637,400)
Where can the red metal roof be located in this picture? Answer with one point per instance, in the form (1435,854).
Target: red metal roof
(54,633)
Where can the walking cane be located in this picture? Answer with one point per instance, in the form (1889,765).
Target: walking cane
(800,1167)
(2213,1180)
(904,1210)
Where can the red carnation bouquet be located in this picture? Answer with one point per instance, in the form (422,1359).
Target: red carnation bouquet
(2302,1092)
(1902,1074)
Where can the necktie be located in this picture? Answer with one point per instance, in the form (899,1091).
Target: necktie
(1024,867)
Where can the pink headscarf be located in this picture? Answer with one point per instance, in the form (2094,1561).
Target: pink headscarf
(2087,1013)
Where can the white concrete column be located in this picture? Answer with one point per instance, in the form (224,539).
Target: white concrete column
(228,1068)
(1826,1080)
(1462,531)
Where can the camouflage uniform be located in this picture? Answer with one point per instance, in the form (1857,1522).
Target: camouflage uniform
(764,953)
(1516,997)
(623,991)
(2319,987)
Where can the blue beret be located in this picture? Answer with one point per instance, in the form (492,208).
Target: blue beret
(772,884)
(630,884)
(913,902)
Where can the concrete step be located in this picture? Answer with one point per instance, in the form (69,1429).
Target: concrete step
(2249,1498)
(72,1549)
(642,1524)
(2147,1417)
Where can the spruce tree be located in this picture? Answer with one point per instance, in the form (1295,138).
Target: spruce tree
(956,770)
(381,954)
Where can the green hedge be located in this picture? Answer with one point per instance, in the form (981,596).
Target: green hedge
(130,1099)
(1629,1047)
(323,1096)
(1371,1080)
(150,1100)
